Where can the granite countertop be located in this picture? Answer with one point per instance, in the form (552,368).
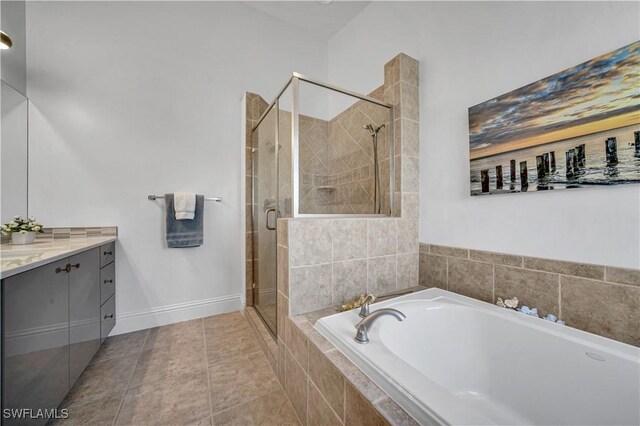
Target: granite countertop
(15,259)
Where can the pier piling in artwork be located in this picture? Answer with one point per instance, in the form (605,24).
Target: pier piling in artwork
(499,183)
(524,176)
(484,176)
(611,148)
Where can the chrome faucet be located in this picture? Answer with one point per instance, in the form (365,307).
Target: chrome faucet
(365,325)
(364,309)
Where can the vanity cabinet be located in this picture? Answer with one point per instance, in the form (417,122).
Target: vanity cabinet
(54,319)
(35,339)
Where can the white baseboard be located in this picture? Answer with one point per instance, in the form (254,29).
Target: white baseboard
(163,315)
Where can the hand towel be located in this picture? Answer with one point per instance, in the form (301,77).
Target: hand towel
(184,233)
(184,205)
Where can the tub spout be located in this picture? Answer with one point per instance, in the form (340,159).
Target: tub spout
(365,325)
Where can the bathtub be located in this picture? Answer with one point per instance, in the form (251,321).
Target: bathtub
(456,360)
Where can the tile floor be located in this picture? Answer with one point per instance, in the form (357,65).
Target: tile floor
(209,371)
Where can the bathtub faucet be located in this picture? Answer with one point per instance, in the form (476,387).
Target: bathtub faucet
(365,325)
(364,309)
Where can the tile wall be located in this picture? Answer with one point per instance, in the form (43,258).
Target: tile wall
(600,299)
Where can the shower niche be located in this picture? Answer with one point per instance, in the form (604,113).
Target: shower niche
(318,151)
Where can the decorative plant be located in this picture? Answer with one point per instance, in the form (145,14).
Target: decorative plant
(21,225)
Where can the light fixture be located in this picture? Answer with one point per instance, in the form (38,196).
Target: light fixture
(5,41)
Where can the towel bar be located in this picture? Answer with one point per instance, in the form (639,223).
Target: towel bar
(157,197)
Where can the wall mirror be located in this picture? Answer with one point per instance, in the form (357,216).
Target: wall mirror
(14,149)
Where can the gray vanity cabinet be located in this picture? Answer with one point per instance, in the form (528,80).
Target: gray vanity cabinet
(54,318)
(84,318)
(35,339)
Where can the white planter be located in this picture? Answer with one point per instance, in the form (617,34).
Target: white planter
(19,239)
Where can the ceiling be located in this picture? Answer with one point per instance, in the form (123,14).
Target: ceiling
(321,20)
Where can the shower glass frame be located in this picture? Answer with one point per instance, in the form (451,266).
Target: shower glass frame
(294,82)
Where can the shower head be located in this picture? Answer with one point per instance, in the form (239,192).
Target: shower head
(373,130)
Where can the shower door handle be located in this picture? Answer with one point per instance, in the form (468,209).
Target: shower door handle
(266,213)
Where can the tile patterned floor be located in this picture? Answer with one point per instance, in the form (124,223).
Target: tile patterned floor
(209,371)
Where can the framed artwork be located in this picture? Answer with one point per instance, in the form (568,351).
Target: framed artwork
(577,128)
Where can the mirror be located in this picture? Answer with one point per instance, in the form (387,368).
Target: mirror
(14,148)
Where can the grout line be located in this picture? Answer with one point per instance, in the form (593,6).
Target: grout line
(206,360)
(124,395)
(559,297)
(447,274)
(493,284)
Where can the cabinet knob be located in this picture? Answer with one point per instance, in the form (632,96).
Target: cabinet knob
(107,253)
(108,281)
(108,316)
(77,266)
(66,269)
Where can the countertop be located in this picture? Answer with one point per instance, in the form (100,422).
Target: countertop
(15,259)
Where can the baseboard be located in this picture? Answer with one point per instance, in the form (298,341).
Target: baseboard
(179,312)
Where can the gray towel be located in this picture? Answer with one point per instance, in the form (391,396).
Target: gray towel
(184,233)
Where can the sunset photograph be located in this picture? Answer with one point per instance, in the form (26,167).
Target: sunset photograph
(593,105)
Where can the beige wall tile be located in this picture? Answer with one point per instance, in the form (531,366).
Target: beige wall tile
(394,414)
(408,69)
(470,278)
(283,270)
(497,258)
(296,386)
(328,379)
(382,237)
(407,270)
(318,410)
(609,310)
(392,72)
(355,377)
(535,289)
(410,174)
(410,206)
(283,232)
(409,101)
(623,275)
(310,288)
(410,141)
(433,271)
(282,309)
(381,275)
(449,251)
(424,248)
(566,268)
(358,411)
(349,280)
(297,343)
(407,235)
(310,241)
(349,239)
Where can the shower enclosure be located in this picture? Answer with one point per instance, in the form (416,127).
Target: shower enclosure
(318,152)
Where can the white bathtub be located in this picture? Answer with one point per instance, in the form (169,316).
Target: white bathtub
(456,360)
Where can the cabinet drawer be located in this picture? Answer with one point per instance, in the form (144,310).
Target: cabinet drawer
(107,254)
(107,317)
(107,282)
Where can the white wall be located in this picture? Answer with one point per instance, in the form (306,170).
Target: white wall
(130,99)
(14,60)
(471,52)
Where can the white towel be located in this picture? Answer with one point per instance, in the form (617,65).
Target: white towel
(184,205)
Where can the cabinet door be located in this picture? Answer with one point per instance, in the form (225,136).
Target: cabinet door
(84,310)
(35,339)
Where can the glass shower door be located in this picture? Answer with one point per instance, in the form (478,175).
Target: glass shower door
(264,217)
